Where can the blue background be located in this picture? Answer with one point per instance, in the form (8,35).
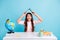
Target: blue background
(49,10)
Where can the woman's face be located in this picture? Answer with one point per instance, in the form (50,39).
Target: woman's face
(29,17)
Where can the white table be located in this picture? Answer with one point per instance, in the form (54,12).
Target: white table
(28,36)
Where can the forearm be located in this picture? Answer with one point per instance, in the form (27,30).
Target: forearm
(38,16)
(20,18)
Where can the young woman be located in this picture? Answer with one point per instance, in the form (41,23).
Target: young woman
(29,22)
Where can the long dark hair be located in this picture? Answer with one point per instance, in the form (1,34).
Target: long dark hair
(31,22)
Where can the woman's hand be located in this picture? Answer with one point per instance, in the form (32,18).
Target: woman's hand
(33,13)
(24,14)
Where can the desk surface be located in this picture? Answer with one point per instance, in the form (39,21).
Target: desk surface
(26,35)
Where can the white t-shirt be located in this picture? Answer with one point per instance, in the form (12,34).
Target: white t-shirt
(29,26)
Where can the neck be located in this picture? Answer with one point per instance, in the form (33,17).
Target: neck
(29,20)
